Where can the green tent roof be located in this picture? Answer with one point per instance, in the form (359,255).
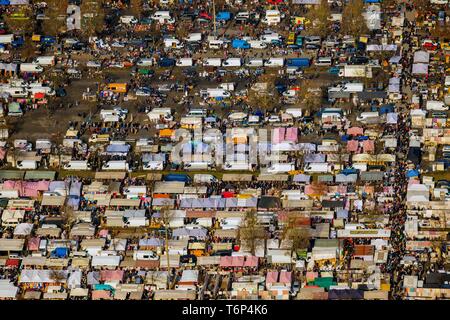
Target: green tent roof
(11,175)
(40,175)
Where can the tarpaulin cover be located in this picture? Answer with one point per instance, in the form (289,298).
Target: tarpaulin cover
(271,277)
(355,131)
(285,277)
(33,243)
(291,134)
(301,178)
(184,232)
(151,242)
(412,173)
(100,294)
(314,157)
(118,148)
(368,146)
(237,261)
(25,188)
(421,57)
(111,275)
(278,135)
(93,277)
(420,68)
(251,261)
(226,261)
(392,118)
(345,294)
(352,145)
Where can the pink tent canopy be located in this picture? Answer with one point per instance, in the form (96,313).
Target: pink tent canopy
(103,233)
(368,146)
(101,294)
(285,277)
(27,188)
(355,131)
(111,275)
(251,261)
(33,243)
(278,135)
(226,261)
(291,134)
(237,261)
(338,189)
(310,276)
(352,145)
(272,277)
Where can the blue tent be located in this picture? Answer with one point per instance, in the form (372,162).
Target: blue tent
(412,173)
(60,252)
(362,138)
(345,138)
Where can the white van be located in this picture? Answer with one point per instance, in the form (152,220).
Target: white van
(273,17)
(173,43)
(163,17)
(204,178)
(45,60)
(436,105)
(323,62)
(213,62)
(184,62)
(194,37)
(128,20)
(153,165)
(145,62)
(77,165)
(295,112)
(216,44)
(269,37)
(197,165)
(227,86)
(194,113)
(115,165)
(317,167)
(46,90)
(232,62)
(15,92)
(27,164)
(237,166)
(281,168)
(257,44)
(218,93)
(274,62)
(255,63)
(367,115)
(31,67)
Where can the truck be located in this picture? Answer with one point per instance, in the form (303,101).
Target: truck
(232,62)
(185,62)
(274,62)
(77,165)
(31,67)
(317,167)
(356,71)
(217,93)
(115,165)
(213,62)
(194,37)
(45,60)
(298,62)
(27,164)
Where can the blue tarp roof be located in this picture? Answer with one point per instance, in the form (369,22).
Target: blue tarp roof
(412,173)
(118,148)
